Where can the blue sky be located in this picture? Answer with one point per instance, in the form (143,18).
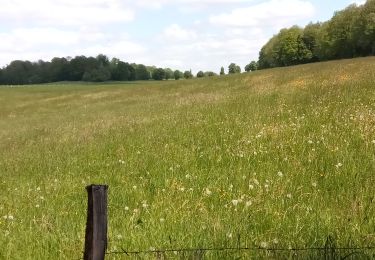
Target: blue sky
(181,34)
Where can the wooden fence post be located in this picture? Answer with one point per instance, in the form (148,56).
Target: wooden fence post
(96,225)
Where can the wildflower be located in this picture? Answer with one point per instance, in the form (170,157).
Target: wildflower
(310,142)
(38,188)
(256,181)
(144,204)
(121,161)
(251,187)
(263,245)
(275,241)
(119,237)
(314,184)
(338,165)
(208,192)
(235,202)
(37,205)
(162,220)
(373,141)
(126,208)
(134,187)
(229,235)
(249,203)
(280,174)
(289,196)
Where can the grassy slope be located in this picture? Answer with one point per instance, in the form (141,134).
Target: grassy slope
(190,151)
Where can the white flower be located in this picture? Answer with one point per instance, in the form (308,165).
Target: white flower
(338,165)
(235,202)
(134,187)
(208,192)
(119,237)
(289,196)
(229,235)
(373,141)
(280,174)
(249,203)
(38,188)
(162,220)
(37,206)
(251,187)
(126,208)
(314,184)
(10,217)
(256,181)
(310,142)
(263,245)
(266,186)
(275,241)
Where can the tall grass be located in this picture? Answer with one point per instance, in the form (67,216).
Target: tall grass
(284,157)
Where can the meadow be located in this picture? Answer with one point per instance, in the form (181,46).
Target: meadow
(282,157)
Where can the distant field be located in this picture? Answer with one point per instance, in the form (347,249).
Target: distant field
(284,157)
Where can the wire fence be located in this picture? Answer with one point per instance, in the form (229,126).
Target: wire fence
(96,243)
(328,252)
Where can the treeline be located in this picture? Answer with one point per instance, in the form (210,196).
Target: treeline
(81,68)
(350,33)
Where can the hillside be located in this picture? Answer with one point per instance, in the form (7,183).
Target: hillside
(284,157)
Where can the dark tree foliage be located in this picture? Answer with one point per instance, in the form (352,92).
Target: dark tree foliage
(79,68)
(188,74)
(200,74)
(222,72)
(178,74)
(350,33)
(252,66)
(158,74)
(233,68)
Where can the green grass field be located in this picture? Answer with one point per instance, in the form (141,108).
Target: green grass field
(284,157)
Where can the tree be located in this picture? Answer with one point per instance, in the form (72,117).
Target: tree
(233,68)
(158,74)
(178,74)
(200,74)
(168,73)
(120,70)
(252,66)
(141,72)
(188,74)
(209,74)
(222,72)
(97,75)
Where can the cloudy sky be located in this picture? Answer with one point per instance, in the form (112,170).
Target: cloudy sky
(181,34)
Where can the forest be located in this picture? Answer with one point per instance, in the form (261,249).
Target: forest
(349,33)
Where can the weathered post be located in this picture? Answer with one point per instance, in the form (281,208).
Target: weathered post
(96,225)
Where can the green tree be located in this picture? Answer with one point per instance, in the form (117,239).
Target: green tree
(141,72)
(158,74)
(200,74)
(178,74)
(168,73)
(222,72)
(188,74)
(252,66)
(233,68)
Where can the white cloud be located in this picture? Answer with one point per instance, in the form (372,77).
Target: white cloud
(64,12)
(280,12)
(175,32)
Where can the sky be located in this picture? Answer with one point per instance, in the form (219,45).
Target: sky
(180,34)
